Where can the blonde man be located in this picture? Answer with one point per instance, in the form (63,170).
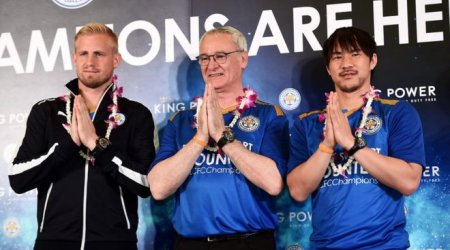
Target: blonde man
(87,153)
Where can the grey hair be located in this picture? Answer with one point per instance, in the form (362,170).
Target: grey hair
(237,36)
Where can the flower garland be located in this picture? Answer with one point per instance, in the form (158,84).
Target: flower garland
(244,102)
(113,108)
(367,109)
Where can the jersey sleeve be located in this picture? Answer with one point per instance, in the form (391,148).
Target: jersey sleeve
(406,136)
(168,145)
(298,150)
(275,144)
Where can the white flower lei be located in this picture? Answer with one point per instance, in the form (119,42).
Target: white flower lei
(245,102)
(339,168)
(116,92)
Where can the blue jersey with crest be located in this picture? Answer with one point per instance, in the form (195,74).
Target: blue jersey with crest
(359,212)
(216,198)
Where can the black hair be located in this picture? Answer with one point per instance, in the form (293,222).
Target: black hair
(349,39)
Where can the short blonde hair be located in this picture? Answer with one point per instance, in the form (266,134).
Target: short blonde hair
(237,36)
(98,28)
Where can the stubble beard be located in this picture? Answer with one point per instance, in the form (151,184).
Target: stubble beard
(94,82)
(350,89)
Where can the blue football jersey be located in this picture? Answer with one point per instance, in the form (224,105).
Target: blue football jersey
(216,198)
(358,212)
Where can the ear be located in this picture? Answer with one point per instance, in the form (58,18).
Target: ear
(117,60)
(328,70)
(244,59)
(373,61)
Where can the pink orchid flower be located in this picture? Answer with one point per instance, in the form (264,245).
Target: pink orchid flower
(111,121)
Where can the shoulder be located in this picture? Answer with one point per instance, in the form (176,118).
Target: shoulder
(47,108)
(311,114)
(132,103)
(49,101)
(398,111)
(270,107)
(395,105)
(45,104)
(181,115)
(133,106)
(387,102)
(310,119)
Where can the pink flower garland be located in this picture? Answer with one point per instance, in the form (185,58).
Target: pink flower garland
(244,102)
(367,109)
(111,121)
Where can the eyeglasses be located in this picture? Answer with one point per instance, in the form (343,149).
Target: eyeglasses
(219,57)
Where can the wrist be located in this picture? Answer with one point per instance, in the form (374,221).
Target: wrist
(217,137)
(92,143)
(359,143)
(201,137)
(349,144)
(200,142)
(327,144)
(226,137)
(100,144)
(325,149)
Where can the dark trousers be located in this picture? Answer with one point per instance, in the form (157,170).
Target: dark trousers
(264,240)
(76,245)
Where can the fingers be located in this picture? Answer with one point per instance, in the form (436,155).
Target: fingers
(81,105)
(329,134)
(85,127)
(74,128)
(202,121)
(336,116)
(214,114)
(340,126)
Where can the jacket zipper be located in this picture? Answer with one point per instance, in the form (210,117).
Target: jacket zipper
(124,208)
(45,207)
(86,172)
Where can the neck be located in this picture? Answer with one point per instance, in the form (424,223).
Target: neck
(227,98)
(352,100)
(92,96)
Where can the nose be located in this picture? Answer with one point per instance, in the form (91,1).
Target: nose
(90,60)
(212,64)
(347,61)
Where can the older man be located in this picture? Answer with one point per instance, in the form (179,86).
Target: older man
(225,161)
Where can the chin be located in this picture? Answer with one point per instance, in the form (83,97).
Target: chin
(216,83)
(349,88)
(93,83)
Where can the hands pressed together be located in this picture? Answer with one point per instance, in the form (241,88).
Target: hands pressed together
(82,128)
(210,118)
(337,128)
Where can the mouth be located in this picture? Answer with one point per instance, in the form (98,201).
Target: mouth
(214,75)
(348,73)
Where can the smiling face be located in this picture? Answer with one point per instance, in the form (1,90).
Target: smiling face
(350,70)
(95,59)
(229,73)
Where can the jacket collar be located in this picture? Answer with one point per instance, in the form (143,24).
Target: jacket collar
(73,86)
(104,101)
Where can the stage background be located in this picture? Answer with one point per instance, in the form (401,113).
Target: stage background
(159,40)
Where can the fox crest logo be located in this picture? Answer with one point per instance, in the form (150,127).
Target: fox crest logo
(373,125)
(248,123)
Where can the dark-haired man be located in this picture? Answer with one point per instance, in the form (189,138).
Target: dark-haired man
(359,156)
